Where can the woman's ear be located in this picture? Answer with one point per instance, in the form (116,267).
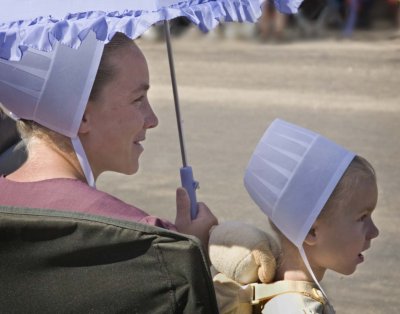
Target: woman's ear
(86,121)
(85,125)
(311,238)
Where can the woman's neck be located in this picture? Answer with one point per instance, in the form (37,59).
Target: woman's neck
(46,161)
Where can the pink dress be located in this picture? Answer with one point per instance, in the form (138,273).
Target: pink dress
(74,196)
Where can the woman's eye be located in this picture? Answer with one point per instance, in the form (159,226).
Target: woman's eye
(138,101)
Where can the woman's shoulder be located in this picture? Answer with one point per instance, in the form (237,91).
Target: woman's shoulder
(103,203)
(60,193)
(73,195)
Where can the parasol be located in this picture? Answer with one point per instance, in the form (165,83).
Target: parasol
(42,24)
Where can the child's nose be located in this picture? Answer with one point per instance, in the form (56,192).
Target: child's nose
(373,232)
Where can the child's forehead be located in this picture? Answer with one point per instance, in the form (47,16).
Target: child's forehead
(362,197)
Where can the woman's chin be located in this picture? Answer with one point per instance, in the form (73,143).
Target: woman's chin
(128,169)
(131,171)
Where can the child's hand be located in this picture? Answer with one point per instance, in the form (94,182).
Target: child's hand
(201,225)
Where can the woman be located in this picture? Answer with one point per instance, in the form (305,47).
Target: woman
(83,112)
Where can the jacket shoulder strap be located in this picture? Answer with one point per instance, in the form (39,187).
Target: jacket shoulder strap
(262,293)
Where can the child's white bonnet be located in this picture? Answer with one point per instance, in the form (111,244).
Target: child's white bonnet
(291,175)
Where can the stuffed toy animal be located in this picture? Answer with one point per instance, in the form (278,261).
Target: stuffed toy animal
(240,254)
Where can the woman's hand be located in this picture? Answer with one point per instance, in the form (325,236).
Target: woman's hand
(201,225)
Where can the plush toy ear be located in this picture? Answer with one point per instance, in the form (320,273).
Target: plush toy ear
(243,252)
(266,265)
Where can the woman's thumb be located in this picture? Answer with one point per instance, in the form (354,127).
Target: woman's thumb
(182,205)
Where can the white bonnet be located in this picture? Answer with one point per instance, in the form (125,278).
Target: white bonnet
(51,88)
(291,175)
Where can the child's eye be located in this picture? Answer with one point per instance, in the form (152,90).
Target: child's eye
(362,218)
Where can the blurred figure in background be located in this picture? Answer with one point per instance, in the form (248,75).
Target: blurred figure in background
(316,15)
(272,23)
(352,8)
(394,6)
(178,27)
(358,14)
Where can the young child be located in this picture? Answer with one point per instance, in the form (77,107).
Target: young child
(319,197)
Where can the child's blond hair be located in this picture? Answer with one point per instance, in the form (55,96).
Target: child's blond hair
(359,170)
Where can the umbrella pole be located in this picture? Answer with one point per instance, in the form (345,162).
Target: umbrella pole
(186,171)
(175,92)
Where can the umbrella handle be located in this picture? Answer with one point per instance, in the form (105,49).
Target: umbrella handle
(190,185)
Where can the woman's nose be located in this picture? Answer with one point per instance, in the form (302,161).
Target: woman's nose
(151,118)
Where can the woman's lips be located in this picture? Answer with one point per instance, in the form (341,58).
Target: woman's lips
(139,145)
(138,141)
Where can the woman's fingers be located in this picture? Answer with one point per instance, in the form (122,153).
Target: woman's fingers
(182,207)
(198,227)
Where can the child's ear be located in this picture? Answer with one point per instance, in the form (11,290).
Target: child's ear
(311,238)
